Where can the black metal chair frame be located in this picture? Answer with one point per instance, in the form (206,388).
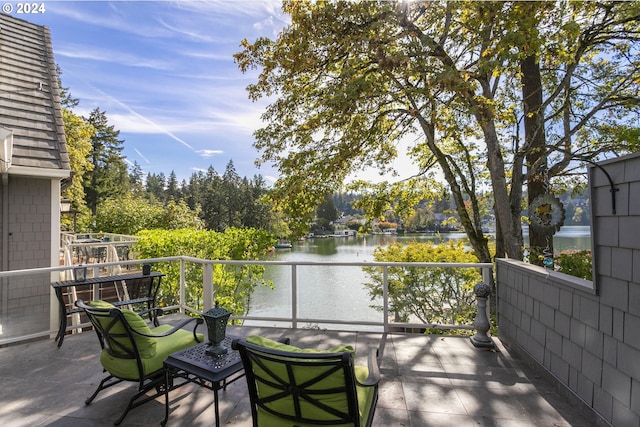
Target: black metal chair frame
(256,355)
(112,341)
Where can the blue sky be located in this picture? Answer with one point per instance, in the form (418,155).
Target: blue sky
(163,71)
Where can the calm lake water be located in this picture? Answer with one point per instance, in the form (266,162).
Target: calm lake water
(336,292)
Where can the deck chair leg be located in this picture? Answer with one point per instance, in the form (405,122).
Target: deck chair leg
(158,384)
(103,384)
(129,406)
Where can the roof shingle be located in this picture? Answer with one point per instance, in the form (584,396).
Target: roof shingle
(29,95)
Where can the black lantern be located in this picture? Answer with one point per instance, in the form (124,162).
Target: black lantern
(216,319)
(80,274)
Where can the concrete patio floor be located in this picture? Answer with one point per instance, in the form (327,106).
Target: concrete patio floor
(427,380)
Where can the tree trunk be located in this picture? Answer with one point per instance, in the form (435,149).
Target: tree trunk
(505,227)
(535,143)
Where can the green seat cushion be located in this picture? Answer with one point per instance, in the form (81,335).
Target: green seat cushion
(301,373)
(128,368)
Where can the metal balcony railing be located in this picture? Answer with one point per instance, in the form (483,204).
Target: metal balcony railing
(29,308)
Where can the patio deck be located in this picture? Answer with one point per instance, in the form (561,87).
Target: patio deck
(427,380)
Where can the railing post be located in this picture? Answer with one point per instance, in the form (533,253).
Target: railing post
(294,296)
(183,285)
(95,288)
(385,298)
(481,322)
(207,286)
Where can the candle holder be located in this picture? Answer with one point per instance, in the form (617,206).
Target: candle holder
(216,320)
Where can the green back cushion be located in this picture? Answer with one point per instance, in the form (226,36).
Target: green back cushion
(146,345)
(153,351)
(275,345)
(302,374)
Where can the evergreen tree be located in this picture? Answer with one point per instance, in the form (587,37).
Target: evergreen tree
(109,177)
(231,183)
(156,186)
(213,200)
(194,190)
(259,214)
(327,209)
(173,191)
(66,100)
(136,178)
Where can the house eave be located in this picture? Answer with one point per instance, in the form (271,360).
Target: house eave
(39,172)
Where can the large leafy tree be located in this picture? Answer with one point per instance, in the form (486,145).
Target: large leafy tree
(78,133)
(350,80)
(109,176)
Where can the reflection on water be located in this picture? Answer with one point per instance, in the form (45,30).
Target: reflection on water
(336,292)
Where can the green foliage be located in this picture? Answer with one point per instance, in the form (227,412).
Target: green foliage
(350,82)
(327,209)
(383,225)
(78,133)
(178,215)
(232,285)
(353,225)
(432,295)
(575,263)
(129,215)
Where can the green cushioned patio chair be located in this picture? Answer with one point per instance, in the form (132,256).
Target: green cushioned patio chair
(131,351)
(289,386)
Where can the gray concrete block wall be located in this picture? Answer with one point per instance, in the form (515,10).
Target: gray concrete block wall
(29,246)
(586,335)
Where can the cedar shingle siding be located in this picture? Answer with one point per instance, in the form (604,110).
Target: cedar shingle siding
(30,190)
(29,95)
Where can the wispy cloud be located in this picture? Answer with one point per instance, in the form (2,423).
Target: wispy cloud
(205,154)
(119,19)
(154,125)
(270,179)
(189,32)
(141,155)
(200,169)
(75,51)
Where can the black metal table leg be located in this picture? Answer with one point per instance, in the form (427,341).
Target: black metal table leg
(215,404)
(166,396)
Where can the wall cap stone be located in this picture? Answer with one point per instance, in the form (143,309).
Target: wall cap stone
(556,277)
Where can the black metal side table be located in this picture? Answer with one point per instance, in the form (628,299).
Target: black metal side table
(196,366)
